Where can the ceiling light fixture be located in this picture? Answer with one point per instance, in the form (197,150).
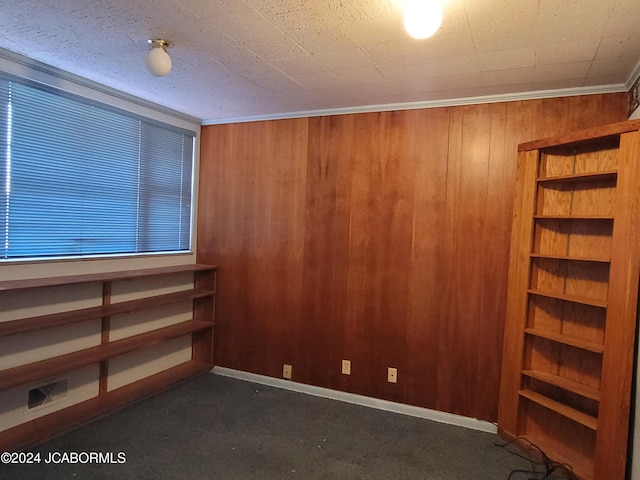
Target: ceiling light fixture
(422,18)
(158,61)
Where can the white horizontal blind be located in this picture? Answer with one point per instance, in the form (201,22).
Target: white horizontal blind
(165,192)
(82,178)
(4,166)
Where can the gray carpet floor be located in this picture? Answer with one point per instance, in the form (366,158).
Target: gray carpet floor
(213,427)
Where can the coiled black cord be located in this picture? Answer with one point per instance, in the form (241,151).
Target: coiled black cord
(542,467)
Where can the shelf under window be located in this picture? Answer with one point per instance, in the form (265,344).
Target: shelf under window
(54,366)
(102,277)
(57,319)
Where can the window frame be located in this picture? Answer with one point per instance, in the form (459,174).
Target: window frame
(78,89)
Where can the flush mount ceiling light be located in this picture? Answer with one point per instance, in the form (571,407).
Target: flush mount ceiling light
(158,61)
(422,18)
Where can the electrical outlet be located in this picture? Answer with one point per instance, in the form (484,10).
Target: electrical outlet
(392,375)
(346,367)
(286,371)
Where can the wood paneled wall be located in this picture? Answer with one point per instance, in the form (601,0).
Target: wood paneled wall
(381,238)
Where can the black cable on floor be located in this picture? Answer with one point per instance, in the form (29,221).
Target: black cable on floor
(542,467)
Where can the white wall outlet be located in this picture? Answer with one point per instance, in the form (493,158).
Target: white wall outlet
(346,367)
(392,375)
(286,371)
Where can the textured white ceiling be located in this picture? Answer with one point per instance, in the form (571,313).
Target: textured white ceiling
(250,58)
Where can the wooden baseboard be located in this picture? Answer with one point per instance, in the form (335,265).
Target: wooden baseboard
(401,408)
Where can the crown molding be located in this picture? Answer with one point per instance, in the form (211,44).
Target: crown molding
(448,102)
(635,75)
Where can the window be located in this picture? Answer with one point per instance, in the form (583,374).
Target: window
(83,178)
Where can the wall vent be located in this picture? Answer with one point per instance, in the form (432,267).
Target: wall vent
(47,394)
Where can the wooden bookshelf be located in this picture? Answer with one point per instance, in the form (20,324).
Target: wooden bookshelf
(562,180)
(574,259)
(199,327)
(55,320)
(43,369)
(101,277)
(566,384)
(569,337)
(566,340)
(570,298)
(559,407)
(574,217)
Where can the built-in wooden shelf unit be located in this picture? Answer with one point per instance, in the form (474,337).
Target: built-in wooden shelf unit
(200,327)
(572,298)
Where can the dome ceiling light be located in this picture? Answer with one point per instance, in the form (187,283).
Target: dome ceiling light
(158,61)
(422,18)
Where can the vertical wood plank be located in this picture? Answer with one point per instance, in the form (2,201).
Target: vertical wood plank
(462,321)
(426,294)
(106,328)
(517,298)
(252,187)
(327,336)
(496,230)
(449,390)
(387,256)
